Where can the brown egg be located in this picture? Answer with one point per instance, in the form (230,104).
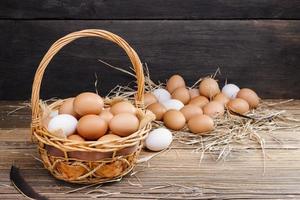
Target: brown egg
(214,109)
(124,124)
(222,98)
(199,101)
(121,152)
(88,103)
(190,110)
(175,82)
(109,137)
(158,110)
(174,119)
(194,93)
(201,124)
(91,127)
(67,108)
(182,94)
(238,105)
(75,137)
(123,107)
(149,99)
(106,115)
(250,96)
(209,87)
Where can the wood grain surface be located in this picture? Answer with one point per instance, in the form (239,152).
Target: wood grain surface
(150,9)
(239,177)
(263,55)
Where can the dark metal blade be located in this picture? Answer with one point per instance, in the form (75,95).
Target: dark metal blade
(22,186)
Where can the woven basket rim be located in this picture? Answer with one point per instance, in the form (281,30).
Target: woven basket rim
(65,144)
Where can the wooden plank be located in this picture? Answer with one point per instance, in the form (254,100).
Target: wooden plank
(153,9)
(263,55)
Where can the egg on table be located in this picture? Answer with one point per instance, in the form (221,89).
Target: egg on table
(158,110)
(238,105)
(158,139)
(230,90)
(173,104)
(174,119)
(182,94)
(190,110)
(175,82)
(214,109)
(194,93)
(149,99)
(209,87)
(250,96)
(161,95)
(222,98)
(201,124)
(199,101)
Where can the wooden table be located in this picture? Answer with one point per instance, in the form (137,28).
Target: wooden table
(174,174)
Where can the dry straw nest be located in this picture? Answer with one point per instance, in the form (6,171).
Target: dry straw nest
(106,160)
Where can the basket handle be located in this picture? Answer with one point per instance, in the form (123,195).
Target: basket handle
(59,44)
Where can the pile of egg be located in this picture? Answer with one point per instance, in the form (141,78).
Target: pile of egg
(178,106)
(84,118)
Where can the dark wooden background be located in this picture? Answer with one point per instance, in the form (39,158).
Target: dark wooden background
(255,43)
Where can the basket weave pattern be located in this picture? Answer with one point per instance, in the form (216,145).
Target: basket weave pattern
(115,158)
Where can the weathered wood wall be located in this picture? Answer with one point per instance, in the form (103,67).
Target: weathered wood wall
(256,43)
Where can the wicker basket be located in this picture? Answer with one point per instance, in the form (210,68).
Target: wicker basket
(110,160)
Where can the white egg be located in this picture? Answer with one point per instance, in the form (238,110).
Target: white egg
(159,139)
(162,95)
(230,90)
(64,122)
(173,104)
